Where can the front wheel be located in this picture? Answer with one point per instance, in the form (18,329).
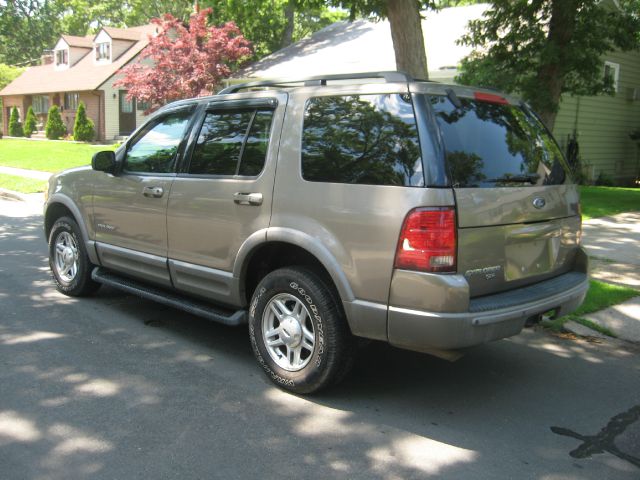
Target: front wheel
(68,259)
(298,332)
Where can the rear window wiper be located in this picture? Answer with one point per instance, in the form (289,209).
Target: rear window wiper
(529,178)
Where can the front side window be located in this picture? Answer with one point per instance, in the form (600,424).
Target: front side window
(155,150)
(362,139)
(103,51)
(232,143)
(71,101)
(493,144)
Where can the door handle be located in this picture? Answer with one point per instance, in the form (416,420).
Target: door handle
(153,192)
(247,198)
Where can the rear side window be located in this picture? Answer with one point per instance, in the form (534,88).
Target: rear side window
(232,143)
(361,139)
(496,145)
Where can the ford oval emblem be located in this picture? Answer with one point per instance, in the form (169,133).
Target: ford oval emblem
(539,202)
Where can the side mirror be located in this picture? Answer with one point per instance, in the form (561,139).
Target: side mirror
(104,161)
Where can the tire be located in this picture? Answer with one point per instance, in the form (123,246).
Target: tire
(298,331)
(68,259)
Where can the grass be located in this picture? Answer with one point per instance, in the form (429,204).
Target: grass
(22,184)
(600,296)
(46,156)
(604,201)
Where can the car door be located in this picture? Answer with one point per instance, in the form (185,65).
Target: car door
(130,208)
(223,193)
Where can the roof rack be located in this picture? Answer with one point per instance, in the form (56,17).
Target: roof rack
(389,77)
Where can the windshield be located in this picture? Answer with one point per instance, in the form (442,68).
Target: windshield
(496,145)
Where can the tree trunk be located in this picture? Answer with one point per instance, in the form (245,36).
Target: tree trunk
(289,16)
(551,73)
(408,41)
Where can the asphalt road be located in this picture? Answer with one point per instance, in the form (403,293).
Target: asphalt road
(115,387)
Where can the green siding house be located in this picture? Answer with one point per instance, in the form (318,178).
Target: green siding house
(602,124)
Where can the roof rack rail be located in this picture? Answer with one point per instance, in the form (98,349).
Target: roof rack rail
(389,77)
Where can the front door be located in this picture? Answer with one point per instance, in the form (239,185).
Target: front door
(126,114)
(130,208)
(223,195)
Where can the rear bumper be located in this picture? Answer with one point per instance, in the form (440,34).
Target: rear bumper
(487,318)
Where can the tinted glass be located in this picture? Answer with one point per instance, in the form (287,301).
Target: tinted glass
(496,145)
(220,143)
(255,150)
(366,139)
(155,151)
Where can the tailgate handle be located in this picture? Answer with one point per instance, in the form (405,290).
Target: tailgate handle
(247,198)
(536,231)
(153,192)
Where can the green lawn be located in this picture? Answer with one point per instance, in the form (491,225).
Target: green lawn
(600,296)
(45,155)
(22,184)
(603,201)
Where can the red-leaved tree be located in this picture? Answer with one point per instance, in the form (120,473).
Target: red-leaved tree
(184,61)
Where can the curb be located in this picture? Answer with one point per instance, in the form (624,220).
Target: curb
(11,195)
(583,331)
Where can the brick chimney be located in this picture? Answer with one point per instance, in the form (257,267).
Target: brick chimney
(47,57)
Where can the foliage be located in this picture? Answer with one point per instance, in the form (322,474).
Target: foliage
(47,156)
(605,201)
(22,184)
(54,128)
(30,122)
(15,126)
(271,25)
(544,48)
(188,61)
(83,128)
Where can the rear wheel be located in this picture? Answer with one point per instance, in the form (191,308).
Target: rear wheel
(298,331)
(68,259)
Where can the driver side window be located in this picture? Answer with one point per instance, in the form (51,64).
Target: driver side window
(155,150)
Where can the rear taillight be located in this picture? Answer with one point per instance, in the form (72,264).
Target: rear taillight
(428,240)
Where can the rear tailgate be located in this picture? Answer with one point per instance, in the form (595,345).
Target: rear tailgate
(518,214)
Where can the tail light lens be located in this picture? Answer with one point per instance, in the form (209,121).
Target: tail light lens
(428,240)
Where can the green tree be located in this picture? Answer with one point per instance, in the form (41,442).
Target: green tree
(544,48)
(30,122)
(54,128)
(83,128)
(15,126)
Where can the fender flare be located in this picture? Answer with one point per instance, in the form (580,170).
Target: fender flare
(299,239)
(62,199)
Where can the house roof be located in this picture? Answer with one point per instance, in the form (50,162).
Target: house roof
(366,46)
(84,75)
(80,42)
(133,33)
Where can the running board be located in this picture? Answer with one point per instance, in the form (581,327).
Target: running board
(172,299)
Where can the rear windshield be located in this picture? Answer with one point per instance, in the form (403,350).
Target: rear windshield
(496,145)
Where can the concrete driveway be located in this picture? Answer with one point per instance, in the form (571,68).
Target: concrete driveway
(114,387)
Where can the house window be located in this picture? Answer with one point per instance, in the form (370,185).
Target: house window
(612,74)
(40,103)
(103,51)
(62,57)
(71,101)
(142,106)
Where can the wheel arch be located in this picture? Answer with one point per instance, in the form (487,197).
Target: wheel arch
(278,247)
(60,205)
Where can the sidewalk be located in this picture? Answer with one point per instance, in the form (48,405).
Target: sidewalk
(21,172)
(613,245)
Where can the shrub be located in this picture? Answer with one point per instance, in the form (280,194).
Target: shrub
(15,127)
(30,122)
(83,129)
(54,128)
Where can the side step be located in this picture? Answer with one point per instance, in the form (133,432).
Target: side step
(172,299)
